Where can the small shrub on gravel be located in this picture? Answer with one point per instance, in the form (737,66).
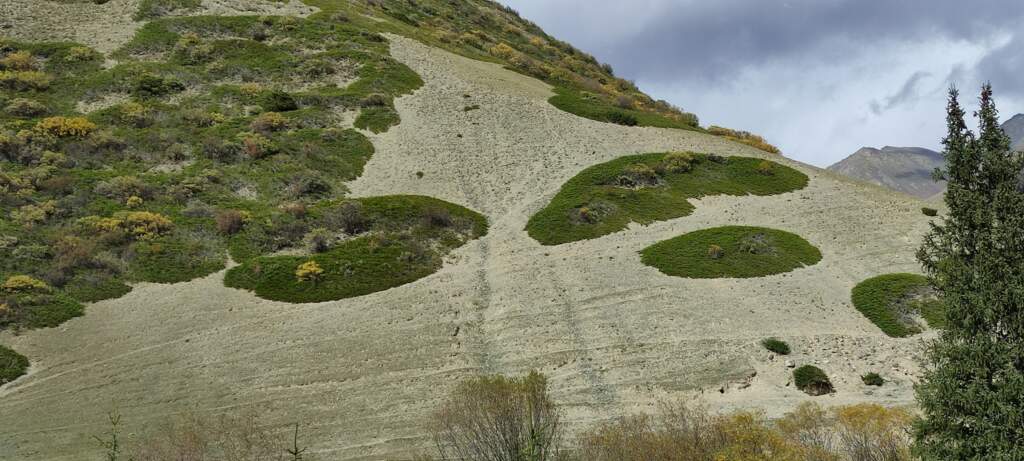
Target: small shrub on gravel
(12,365)
(873,379)
(812,380)
(776,345)
(929,211)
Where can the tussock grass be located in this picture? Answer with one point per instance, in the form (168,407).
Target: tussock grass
(687,255)
(598,190)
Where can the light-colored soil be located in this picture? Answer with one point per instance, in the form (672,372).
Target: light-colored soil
(613,335)
(103,27)
(108,26)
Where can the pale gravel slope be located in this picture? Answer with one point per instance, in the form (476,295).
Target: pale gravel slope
(613,335)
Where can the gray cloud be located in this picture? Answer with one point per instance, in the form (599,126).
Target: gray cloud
(665,40)
(1004,67)
(909,92)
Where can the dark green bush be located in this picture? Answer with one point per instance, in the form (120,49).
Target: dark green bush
(12,365)
(887,299)
(622,118)
(776,345)
(812,380)
(929,211)
(151,86)
(873,379)
(278,101)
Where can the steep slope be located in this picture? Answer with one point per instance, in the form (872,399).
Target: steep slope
(614,335)
(905,169)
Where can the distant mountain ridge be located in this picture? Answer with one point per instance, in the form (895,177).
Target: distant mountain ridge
(909,169)
(905,169)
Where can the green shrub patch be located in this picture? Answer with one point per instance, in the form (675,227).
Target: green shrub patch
(895,302)
(605,198)
(812,380)
(378,243)
(873,379)
(776,345)
(12,365)
(731,252)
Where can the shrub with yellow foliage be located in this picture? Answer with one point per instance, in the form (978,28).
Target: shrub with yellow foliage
(65,127)
(24,80)
(30,215)
(23,284)
(744,137)
(18,60)
(140,225)
(309,271)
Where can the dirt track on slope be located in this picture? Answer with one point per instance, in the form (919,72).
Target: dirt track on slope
(613,335)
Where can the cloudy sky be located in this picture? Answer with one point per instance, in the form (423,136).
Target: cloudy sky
(819,78)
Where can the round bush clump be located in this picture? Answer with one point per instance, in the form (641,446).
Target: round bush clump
(929,211)
(892,301)
(731,252)
(776,345)
(12,365)
(812,380)
(653,187)
(873,379)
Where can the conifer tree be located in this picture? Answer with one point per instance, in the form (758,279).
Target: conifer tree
(972,390)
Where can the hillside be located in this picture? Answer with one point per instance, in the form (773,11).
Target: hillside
(909,169)
(1014,128)
(409,164)
(905,169)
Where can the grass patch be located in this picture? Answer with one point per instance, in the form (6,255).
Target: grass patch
(731,252)
(812,380)
(12,365)
(893,302)
(605,198)
(383,242)
(776,345)
(597,107)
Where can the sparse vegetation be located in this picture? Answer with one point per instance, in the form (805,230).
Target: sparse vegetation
(648,188)
(745,252)
(894,302)
(776,345)
(812,380)
(514,419)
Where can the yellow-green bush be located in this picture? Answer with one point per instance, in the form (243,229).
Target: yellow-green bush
(18,60)
(30,215)
(23,284)
(309,271)
(268,122)
(24,80)
(65,127)
(744,137)
(140,225)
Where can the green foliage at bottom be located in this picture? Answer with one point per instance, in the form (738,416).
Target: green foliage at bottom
(873,379)
(739,252)
(594,107)
(12,365)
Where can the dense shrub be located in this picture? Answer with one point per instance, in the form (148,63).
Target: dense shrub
(309,271)
(623,118)
(929,211)
(21,107)
(25,80)
(744,137)
(229,222)
(678,162)
(319,240)
(873,379)
(776,345)
(269,122)
(12,364)
(278,101)
(23,284)
(65,127)
(812,380)
(151,86)
(18,60)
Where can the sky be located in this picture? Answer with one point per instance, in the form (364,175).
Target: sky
(818,78)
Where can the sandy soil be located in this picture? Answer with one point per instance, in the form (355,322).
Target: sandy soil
(613,335)
(108,26)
